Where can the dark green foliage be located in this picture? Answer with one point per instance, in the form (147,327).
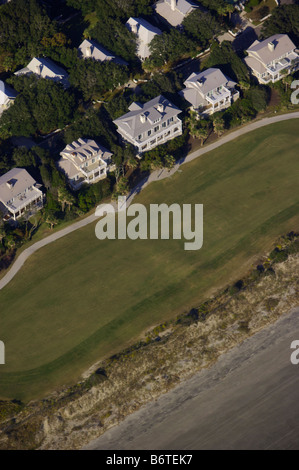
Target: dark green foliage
(258,96)
(112,34)
(94,125)
(226,58)
(23,25)
(23,157)
(89,196)
(93,78)
(114,8)
(40,107)
(161,83)
(201,26)
(169,47)
(284,20)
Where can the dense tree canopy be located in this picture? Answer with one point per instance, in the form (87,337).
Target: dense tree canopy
(223,55)
(92,77)
(169,47)
(24,25)
(201,26)
(40,107)
(284,20)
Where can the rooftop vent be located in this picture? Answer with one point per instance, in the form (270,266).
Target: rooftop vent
(142,118)
(160,107)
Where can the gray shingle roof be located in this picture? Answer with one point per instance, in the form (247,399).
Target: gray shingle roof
(98,52)
(208,80)
(19,179)
(176,16)
(44,68)
(132,122)
(282,44)
(6,93)
(145,33)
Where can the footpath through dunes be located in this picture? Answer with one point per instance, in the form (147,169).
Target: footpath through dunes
(79,299)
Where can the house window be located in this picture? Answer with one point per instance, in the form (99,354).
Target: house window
(163,124)
(156,129)
(149,133)
(140,137)
(170,120)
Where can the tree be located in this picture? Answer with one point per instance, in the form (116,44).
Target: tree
(198,128)
(2,233)
(201,26)
(51,219)
(201,133)
(287,81)
(65,198)
(218,125)
(23,25)
(284,20)
(169,161)
(121,188)
(224,56)
(40,107)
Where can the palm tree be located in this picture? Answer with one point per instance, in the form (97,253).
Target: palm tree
(51,219)
(2,233)
(287,80)
(201,133)
(218,125)
(169,161)
(65,198)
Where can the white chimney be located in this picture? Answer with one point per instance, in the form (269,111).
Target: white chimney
(134,28)
(142,118)
(271,46)
(160,108)
(173,4)
(88,51)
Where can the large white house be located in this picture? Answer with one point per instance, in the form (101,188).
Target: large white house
(19,194)
(85,161)
(174,11)
(145,33)
(209,91)
(150,124)
(90,49)
(45,68)
(7,96)
(270,59)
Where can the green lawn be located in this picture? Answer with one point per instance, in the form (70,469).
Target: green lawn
(81,299)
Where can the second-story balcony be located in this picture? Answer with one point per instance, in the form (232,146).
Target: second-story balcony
(217,96)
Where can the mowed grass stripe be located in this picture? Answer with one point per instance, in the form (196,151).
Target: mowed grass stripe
(80,299)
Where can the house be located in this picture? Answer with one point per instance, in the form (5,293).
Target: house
(90,49)
(270,59)
(45,68)
(145,32)
(174,11)
(84,161)
(19,194)
(7,96)
(209,91)
(150,124)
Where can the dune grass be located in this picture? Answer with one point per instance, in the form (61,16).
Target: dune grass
(80,299)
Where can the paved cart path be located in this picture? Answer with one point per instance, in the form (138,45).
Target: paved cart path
(156,175)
